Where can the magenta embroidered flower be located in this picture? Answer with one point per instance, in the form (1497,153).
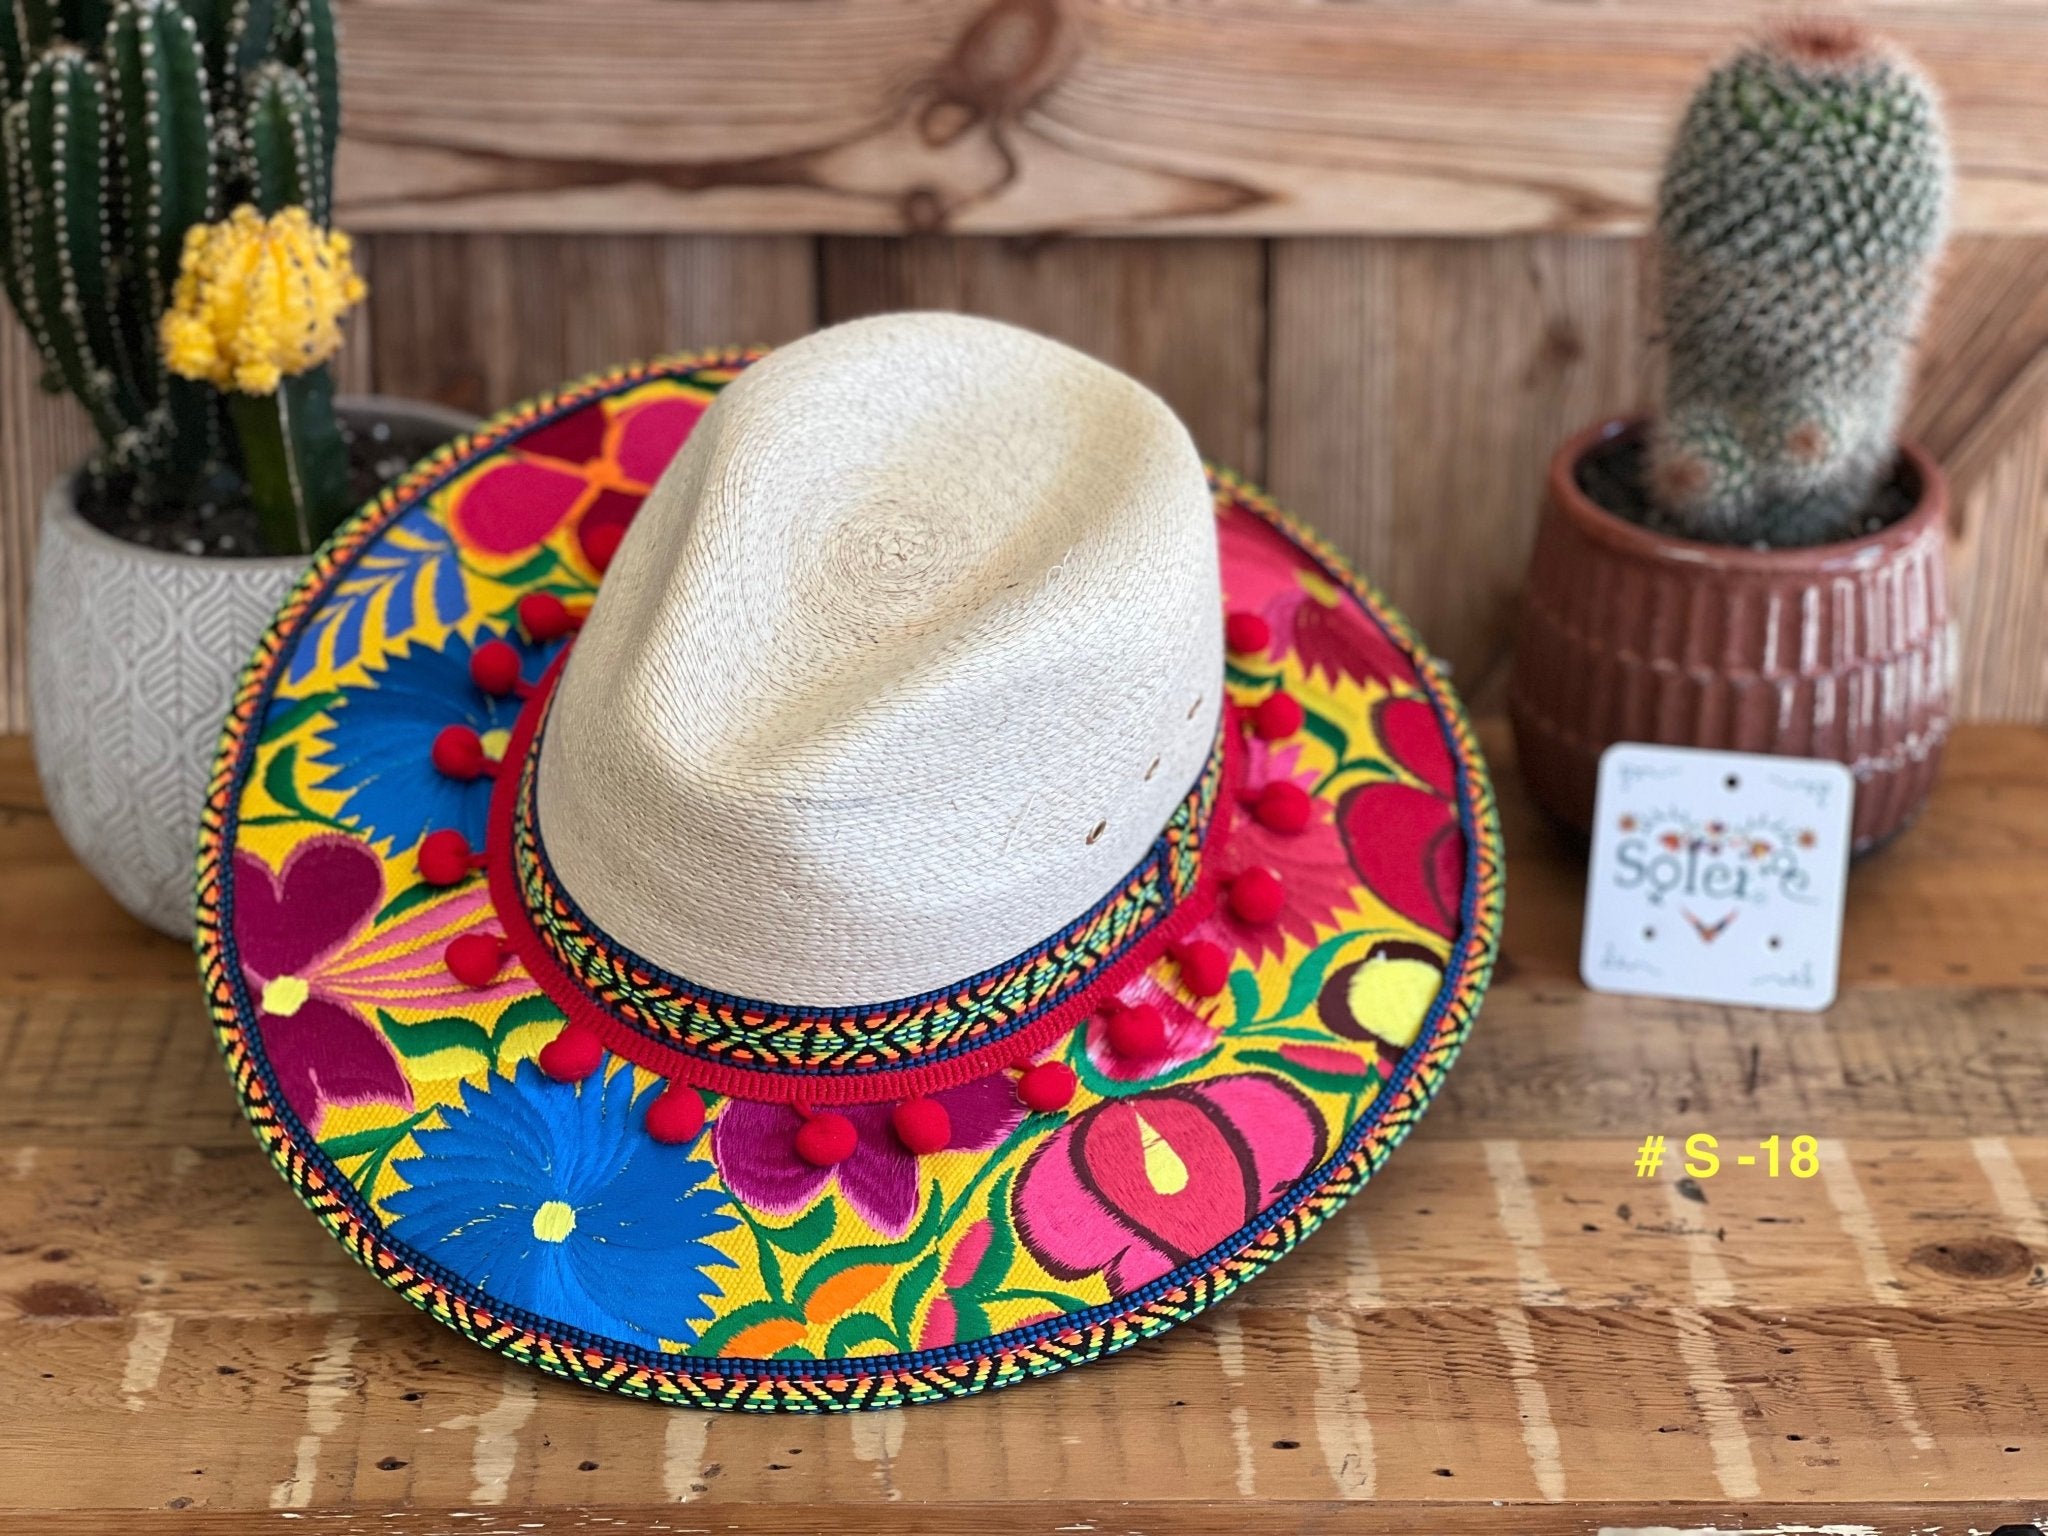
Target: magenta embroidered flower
(591,465)
(754,1146)
(1135,1187)
(314,960)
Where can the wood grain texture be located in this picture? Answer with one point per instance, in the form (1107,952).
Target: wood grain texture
(1508,1332)
(1035,116)
(1187,317)
(481,321)
(1419,388)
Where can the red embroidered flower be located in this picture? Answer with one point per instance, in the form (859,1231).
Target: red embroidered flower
(1404,837)
(1265,574)
(592,466)
(1315,871)
(1134,1187)
(313,959)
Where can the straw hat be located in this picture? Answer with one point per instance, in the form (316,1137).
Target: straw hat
(964,892)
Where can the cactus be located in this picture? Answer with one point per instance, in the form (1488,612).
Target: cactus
(1802,209)
(124,123)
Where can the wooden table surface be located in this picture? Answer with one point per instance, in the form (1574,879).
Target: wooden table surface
(1507,1332)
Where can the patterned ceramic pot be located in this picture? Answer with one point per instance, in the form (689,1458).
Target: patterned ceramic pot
(1842,651)
(133,656)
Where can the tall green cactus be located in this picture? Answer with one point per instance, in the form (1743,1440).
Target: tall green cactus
(122,124)
(1801,212)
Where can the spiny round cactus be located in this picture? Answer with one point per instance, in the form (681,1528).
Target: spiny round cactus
(123,123)
(1802,209)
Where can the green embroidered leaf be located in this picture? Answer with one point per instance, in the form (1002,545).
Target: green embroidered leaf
(856,1329)
(808,1232)
(419,893)
(535,1008)
(424,1039)
(1002,1243)
(280,782)
(919,1238)
(911,1291)
(1311,1077)
(356,1143)
(970,1318)
(1307,980)
(1329,732)
(1244,998)
(287,715)
(528,572)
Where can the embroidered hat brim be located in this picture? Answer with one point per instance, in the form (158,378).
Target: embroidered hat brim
(408,1105)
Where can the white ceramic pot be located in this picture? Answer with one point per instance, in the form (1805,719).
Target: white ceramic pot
(133,657)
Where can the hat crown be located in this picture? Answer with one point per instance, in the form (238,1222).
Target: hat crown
(904,665)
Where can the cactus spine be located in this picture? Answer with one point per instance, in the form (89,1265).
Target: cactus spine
(123,123)
(1801,212)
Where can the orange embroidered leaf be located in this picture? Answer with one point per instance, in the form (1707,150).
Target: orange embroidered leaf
(763,1339)
(840,1294)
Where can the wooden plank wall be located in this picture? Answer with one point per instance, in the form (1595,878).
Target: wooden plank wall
(1428,271)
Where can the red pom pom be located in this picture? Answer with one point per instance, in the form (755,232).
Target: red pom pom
(1137,1033)
(1204,967)
(573,1054)
(825,1140)
(922,1125)
(1256,895)
(1283,806)
(475,959)
(1046,1087)
(445,858)
(1246,633)
(494,667)
(600,544)
(676,1116)
(1276,716)
(459,753)
(544,617)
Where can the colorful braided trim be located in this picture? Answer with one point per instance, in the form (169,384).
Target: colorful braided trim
(997,1004)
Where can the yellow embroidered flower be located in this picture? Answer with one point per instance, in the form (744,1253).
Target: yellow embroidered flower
(258,299)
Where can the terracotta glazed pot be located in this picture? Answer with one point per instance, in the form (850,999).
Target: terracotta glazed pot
(133,657)
(1841,651)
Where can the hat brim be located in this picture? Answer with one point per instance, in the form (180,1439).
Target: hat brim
(538,1219)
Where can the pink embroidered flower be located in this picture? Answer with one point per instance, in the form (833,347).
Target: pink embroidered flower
(1404,837)
(1265,574)
(591,465)
(754,1146)
(1315,871)
(313,961)
(1188,1034)
(1134,1187)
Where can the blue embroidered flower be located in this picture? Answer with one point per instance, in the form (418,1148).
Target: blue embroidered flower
(414,567)
(379,749)
(555,1199)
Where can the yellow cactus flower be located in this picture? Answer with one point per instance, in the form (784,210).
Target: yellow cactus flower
(258,299)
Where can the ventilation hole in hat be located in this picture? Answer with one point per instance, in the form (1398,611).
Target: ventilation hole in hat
(1195,706)
(1152,770)
(1100,828)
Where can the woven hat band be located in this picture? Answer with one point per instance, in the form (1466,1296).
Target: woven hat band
(979,1023)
